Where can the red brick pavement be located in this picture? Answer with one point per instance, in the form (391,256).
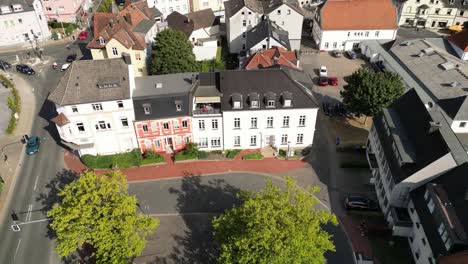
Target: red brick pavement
(171,169)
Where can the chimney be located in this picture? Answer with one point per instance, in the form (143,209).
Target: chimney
(127,3)
(126,58)
(187,20)
(111,23)
(434,126)
(275,60)
(128,18)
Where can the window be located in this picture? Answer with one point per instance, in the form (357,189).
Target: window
(423,241)
(120,104)
(287,103)
(237,123)
(157,143)
(187,140)
(20,20)
(253,122)
(335,44)
(449,11)
(300,139)
(244,23)
(166,125)
(408,9)
(214,124)
(237,104)
(144,127)
(253,140)
(289,11)
(178,107)
(80,127)
(437,11)
(462,124)
(114,51)
(377,33)
(74,109)
(452,2)
(243,35)
(215,142)
(254,104)
(271,103)
(171,9)
(284,139)
(97,107)
(203,142)
(462,12)
(430,205)
(349,33)
(366,34)
(137,56)
(417,224)
(184,124)
(175,123)
(326,45)
(102,41)
(278,12)
(201,124)
(302,120)
(147,109)
(286,121)
(154,126)
(270,122)
(243,46)
(236,141)
(124,122)
(101,125)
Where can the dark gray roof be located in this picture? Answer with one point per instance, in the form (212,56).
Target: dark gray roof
(144,26)
(193,21)
(26,4)
(157,85)
(258,6)
(161,106)
(456,4)
(265,29)
(449,195)
(411,124)
(89,81)
(263,81)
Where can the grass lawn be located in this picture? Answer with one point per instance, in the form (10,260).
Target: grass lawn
(122,160)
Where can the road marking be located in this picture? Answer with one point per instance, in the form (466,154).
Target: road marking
(35,182)
(28,216)
(17,248)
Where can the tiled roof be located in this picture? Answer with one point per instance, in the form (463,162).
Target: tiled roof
(358,15)
(258,6)
(460,39)
(269,57)
(89,81)
(60,120)
(193,21)
(267,28)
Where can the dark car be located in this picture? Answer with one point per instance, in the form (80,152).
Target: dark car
(333,81)
(337,53)
(25,69)
(351,54)
(32,145)
(356,202)
(71,57)
(323,81)
(4,65)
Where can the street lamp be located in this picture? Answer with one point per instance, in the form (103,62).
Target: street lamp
(57,13)
(289,147)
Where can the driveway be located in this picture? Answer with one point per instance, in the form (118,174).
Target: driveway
(186,207)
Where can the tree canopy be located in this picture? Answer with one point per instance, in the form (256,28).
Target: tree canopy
(367,91)
(172,53)
(275,227)
(97,211)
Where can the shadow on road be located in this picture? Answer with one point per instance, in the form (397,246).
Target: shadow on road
(47,112)
(52,197)
(199,202)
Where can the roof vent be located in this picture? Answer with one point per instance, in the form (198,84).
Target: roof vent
(428,51)
(420,54)
(429,105)
(158,85)
(434,126)
(447,66)
(406,43)
(454,84)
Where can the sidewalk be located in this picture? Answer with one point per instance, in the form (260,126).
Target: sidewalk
(171,169)
(360,244)
(42,44)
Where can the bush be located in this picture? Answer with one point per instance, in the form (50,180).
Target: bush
(54,24)
(152,157)
(54,35)
(202,154)
(219,152)
(14,103)
(282,153)
(69,29)
(181,155)
(253,156)
(358,164)
(122,160)
(232,153)
(106,6)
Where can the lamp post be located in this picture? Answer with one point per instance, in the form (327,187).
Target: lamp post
(289,148)
(57,13)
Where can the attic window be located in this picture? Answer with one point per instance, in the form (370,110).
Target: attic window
(287,103)
(254,99)
(236,101)
(107,85)
(287,99)
(102,41)
(178,104)
(270,99)
(147,109)
(158,85)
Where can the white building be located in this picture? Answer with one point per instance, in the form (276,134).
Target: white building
(364,20)
(243,16)
(201,28)
(168,6)
(94,106)
(267,107)
(22,22)
(433,13)
(264,36)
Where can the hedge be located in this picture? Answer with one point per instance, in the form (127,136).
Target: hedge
(253,156)
(181,155)
(232,153)
(54,24)
(151,157)
(121,160)
(14,103)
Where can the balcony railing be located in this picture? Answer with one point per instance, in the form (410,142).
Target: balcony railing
(207,111)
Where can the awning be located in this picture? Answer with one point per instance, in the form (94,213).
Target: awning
(206,100)
(456,28)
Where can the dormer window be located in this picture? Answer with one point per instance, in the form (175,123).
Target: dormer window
(147,109)
(236,101)
(271,103)
(254,104)
(237,104)
(102,41)
(270,100)
(254,99)
(178,105)
(287,99)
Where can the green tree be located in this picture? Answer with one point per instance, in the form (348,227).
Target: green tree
(275,227)
(97,211)
(172,53)
(367,91)
(105,7)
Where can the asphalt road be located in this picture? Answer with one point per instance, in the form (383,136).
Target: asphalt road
(33,190)
(186,206)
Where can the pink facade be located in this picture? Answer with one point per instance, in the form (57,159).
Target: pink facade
(161,134)
(68,10)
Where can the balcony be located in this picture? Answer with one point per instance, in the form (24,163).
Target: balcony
(207,109)
(402,224)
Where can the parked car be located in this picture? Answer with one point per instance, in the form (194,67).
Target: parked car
(25,69)
(323,71)
(351,54)
(32,145)
(65,67)
(83,35)
(71,57)
(337,53)
(357,202)
(333,81)
(323,81)
(4,65)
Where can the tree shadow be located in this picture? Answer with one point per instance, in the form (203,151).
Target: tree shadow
(198,201)
(51,196)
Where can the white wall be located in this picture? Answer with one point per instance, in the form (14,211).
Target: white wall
(262,132)
(291,21)
(205,52)
(460,17)
(344,39)
(410,10)
(209,132)
(418,235)
(460,126)
(267,44)
(165,6)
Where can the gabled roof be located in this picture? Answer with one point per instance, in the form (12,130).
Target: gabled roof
(460,39)
(259,6)
(192,21)
(265,29)
(90,81)
(358,15)
(270,57)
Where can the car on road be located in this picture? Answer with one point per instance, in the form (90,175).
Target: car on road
(358,202)
(337,53)
(32,145)
(65,66)
(323,81)
(323,71)
(71,57)
(333,81)
(25,69)
(351,54)
(83,35)
(4,65)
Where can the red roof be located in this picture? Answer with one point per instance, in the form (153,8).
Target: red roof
(460,39)
(270,57)
(61,120)
(358,15)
